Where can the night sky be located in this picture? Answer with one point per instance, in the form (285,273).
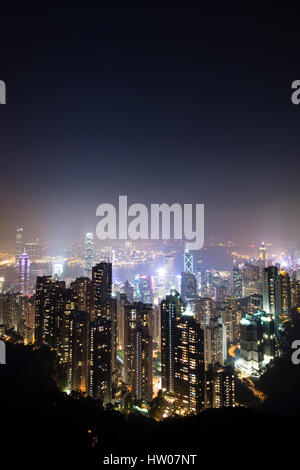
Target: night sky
(164,105)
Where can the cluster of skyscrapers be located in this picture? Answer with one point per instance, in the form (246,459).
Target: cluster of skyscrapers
(161,332)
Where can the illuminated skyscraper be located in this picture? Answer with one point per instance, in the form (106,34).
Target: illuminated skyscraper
(169,272)
(138,354)
(188,286)
(79,339)
(53,308)
(188,262)
(144,289)
(171,307)
(13,308)
(271,294)
(220,387)
(42,306)
(24,274)
(257,342)
(82,291)
(189,363)
(263,255)
(121,321)
(19,243)
(88,255)
(114,336)
(100,372)
(208,283)
(284,293)
(295,293)
(237,283)
(215,343)
(101,287)
(251,277)
(205,311)
(129,291)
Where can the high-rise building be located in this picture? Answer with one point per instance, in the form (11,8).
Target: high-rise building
(170,308)
(271,294)
(295,293)
(251,276)
(100,373)
(208,283)
(188,287)
(88,255)
(82,291)
(79,341)
(257,342)
(138,354)
(237,283)
(188,262)
(263,255)
(101,288)
(284,295)
(13,309)
(204,310)
(215,343)
(189,363)
(142,374)
(144,289)
(54,306)
(169,272)
(114,337)
(19,243)
(29,322)
(42,307)
(129,290)
(24,274)
(121,321)
(220,387)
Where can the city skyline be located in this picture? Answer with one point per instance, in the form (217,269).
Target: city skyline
(149,233)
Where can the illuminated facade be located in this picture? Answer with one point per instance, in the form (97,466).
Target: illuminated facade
(251,277)
(144,291)
(101,288)
(284,295)
(188,262)
(79,340)
(189,363)
(237,283)
(129,290)
(89,255)
(24,274)
(271,294)
(19,243)
(100,372)
(169,270)
(257,342)
(215,343)
(220,387)
(82,291)
(188,286)
(138,351)
(171,308)
(204,310)
(263,255)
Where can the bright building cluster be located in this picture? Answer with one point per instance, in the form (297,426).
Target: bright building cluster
(182,339)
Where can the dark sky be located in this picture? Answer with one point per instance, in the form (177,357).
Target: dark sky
(164,105)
